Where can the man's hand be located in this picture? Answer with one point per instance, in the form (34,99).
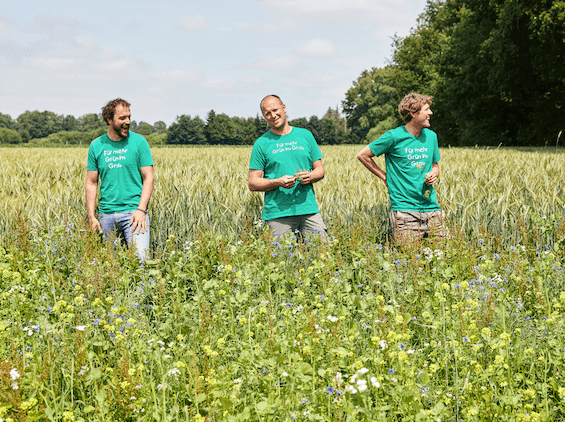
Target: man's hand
(94,224)
(433,175)
(304,177)
(287,182)
(138,221)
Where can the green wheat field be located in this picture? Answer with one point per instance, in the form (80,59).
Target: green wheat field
(224,323)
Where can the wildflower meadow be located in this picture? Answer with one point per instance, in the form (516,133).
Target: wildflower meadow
(226,323)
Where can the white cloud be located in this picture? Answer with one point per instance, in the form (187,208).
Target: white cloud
(317,48)
(316,80)
(272,28)
(278,63)
(178,76)
(192,24)
(216,83)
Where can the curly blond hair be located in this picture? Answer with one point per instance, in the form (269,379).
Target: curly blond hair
(412,103)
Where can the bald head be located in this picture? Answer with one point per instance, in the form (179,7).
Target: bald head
(270,96)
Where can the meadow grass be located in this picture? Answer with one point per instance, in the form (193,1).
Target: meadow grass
(228,324)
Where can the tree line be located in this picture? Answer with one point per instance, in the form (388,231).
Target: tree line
(494,67)
(218,129)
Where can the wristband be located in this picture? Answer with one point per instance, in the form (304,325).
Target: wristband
(143,211)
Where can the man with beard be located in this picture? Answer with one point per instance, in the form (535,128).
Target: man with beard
(122,161)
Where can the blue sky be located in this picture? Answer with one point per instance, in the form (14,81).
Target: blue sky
(188,57)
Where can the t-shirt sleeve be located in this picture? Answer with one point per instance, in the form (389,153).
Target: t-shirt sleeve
(145,158)
(257,161)
(92,164)
(436,156)
(382,144)
(316,154)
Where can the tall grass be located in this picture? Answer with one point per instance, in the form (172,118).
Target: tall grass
(492,190)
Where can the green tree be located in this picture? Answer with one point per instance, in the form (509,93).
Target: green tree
(372,103)
(186,131)
(39,124)
(7,122)
(90,122)
(219,129)
(144,128)
(494,67)
(160,127)
(9,136)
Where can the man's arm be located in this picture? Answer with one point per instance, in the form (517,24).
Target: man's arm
(258,183)
(433,175)
(316,174)
(366,157)
(138,220)
(90,188)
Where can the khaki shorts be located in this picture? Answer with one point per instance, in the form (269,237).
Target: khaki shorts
(413,225)
(308,224)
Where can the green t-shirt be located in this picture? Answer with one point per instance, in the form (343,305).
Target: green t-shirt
(408,158)
(284,155)
(118,165)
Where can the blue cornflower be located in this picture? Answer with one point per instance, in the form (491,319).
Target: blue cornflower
(274,254)
(265,371)
(290,255)
(391,371)
(379,246)
(330,390)
(49,308)
(481,240)
(322,297)
(527,318)
(402,346)
(465,339)
(289,304)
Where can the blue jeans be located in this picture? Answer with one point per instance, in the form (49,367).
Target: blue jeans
(118,226)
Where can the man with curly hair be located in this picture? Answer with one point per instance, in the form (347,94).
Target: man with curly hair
(122,161)
(411,160)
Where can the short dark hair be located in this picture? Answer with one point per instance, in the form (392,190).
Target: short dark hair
(271,95)
(109,109)
(412,103)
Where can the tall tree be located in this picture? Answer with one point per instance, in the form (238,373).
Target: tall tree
(186,131)
(372,102)
(220,129)
(495,68)
(39,124)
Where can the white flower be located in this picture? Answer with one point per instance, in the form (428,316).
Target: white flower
(338,378)
(15,385)
(375,383)
(383,344)
(14,374)
(175,372)
(362,387)
(284,374)
(362,371)
(351,389)
(81,327)
(333,318)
